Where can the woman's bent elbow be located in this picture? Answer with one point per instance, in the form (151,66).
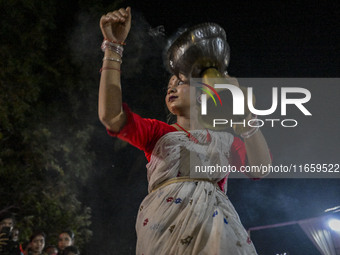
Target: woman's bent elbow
(113,124)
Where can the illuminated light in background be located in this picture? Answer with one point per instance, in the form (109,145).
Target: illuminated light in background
(334,224)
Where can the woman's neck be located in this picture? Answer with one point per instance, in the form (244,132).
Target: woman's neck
(188,124)
(184,122)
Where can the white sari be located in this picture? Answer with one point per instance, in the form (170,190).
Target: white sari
(189,217)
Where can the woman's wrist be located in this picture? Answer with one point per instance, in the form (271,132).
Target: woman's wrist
(111,61)
(112,46)
(254,127)
(113,53)
(115,42)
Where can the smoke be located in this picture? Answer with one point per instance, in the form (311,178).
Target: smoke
(157,31)
(85,40)
(109,191)
(143,42)
(263,202)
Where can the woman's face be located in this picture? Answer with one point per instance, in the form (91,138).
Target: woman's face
(38,244)
(64,241)
(178,96)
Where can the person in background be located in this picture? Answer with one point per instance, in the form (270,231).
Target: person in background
(71,250)
(51,250)
(36,243)
(15,234)
(7,220)
(9,244)
(65,239)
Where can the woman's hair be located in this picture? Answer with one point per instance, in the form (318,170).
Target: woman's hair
(37,233)
(72,249)
(7,215)
(69,232)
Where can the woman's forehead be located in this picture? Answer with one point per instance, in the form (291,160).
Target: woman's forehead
(172,79)
(38,238)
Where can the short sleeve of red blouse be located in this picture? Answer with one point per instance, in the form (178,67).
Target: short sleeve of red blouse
(238,153)
(141,132)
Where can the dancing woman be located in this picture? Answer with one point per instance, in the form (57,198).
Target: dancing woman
(180,215)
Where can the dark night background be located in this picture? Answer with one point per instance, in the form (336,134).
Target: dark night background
(281,39)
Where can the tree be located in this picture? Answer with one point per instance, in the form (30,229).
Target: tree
(44,137)
(49,75)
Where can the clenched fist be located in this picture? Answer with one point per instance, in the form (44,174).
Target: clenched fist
(115,26)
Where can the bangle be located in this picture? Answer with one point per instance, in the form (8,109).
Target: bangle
(112,41)
(109,68)
(117,48)
(250,133)
(113,59)
(254,121)
(253,129)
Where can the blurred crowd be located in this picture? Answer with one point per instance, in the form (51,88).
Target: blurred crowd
(10,245)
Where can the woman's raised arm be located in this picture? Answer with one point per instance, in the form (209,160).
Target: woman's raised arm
(115,27)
